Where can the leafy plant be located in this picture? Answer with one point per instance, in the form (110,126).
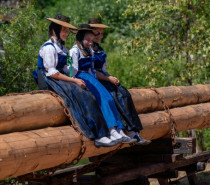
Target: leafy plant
(21,40)
(175,32)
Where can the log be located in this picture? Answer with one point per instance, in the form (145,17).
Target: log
(156,124)
(30,111)
(35,111)
(147,100)
(24,152)
(28,151)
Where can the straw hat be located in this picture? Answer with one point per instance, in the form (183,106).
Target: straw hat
(96,23)
(87,27)
(62,23)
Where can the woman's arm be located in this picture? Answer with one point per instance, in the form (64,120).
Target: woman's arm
(108,78)
(60,76)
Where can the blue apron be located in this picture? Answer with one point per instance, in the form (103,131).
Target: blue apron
(103,97)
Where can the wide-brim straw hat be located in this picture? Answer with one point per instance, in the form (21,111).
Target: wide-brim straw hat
(96,23)
(87,27)
(62,23)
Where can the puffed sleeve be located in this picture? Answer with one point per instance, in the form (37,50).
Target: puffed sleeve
(74,53)
(50,59)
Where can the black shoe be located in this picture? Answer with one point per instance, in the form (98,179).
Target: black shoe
(141,140)
(129,140)
(99,144)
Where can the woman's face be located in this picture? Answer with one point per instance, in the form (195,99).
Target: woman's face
(98,38)
(88,40)
(64,33)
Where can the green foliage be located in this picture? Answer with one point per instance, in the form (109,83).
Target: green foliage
(206,136)
(175,32)
(43,4)
(21,40)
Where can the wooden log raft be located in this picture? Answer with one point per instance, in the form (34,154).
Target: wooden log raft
(34,111)
(29,151)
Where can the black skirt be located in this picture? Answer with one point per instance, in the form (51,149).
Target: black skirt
(125,106)
(81,104)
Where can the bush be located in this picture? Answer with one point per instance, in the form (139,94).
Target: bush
(21,40)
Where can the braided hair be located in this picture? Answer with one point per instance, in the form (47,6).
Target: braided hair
(79,41)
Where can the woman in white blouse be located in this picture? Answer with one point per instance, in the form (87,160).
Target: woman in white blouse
(53,74)
(83,65)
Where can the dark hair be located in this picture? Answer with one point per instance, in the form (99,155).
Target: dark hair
(57,28)
(81,34)
(94,21)
(84,29)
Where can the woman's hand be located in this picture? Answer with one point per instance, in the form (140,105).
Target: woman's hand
(60,76)
(80,82)
(114,80)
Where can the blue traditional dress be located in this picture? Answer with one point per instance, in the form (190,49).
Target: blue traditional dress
(81,103)
(120,94)
(83,68)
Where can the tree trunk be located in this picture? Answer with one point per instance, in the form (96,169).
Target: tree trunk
(34,111)
(156,124)
(147,100)
(30,111)
(28,151)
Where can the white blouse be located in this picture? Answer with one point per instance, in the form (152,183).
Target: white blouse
(76,55)
(49,54)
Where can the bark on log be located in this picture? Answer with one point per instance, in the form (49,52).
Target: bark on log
(146,100)
(24,152)
(157,124)
(30,111)
(29,151)
(34,111)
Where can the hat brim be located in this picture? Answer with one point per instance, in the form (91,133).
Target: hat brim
(87,29)
(62,23)
(99,26)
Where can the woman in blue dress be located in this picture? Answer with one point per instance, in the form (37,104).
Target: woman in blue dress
(53,74)
(83,68)
(122,97)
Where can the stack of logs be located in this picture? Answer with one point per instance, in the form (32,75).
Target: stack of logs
(35,134)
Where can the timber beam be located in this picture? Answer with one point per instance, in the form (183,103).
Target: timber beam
(152,169)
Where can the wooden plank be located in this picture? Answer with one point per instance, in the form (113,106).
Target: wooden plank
(148,170)
(197,166)
(185,145)
(118,159)
(158,146)
(167,174)
(163,181)
(192,178)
